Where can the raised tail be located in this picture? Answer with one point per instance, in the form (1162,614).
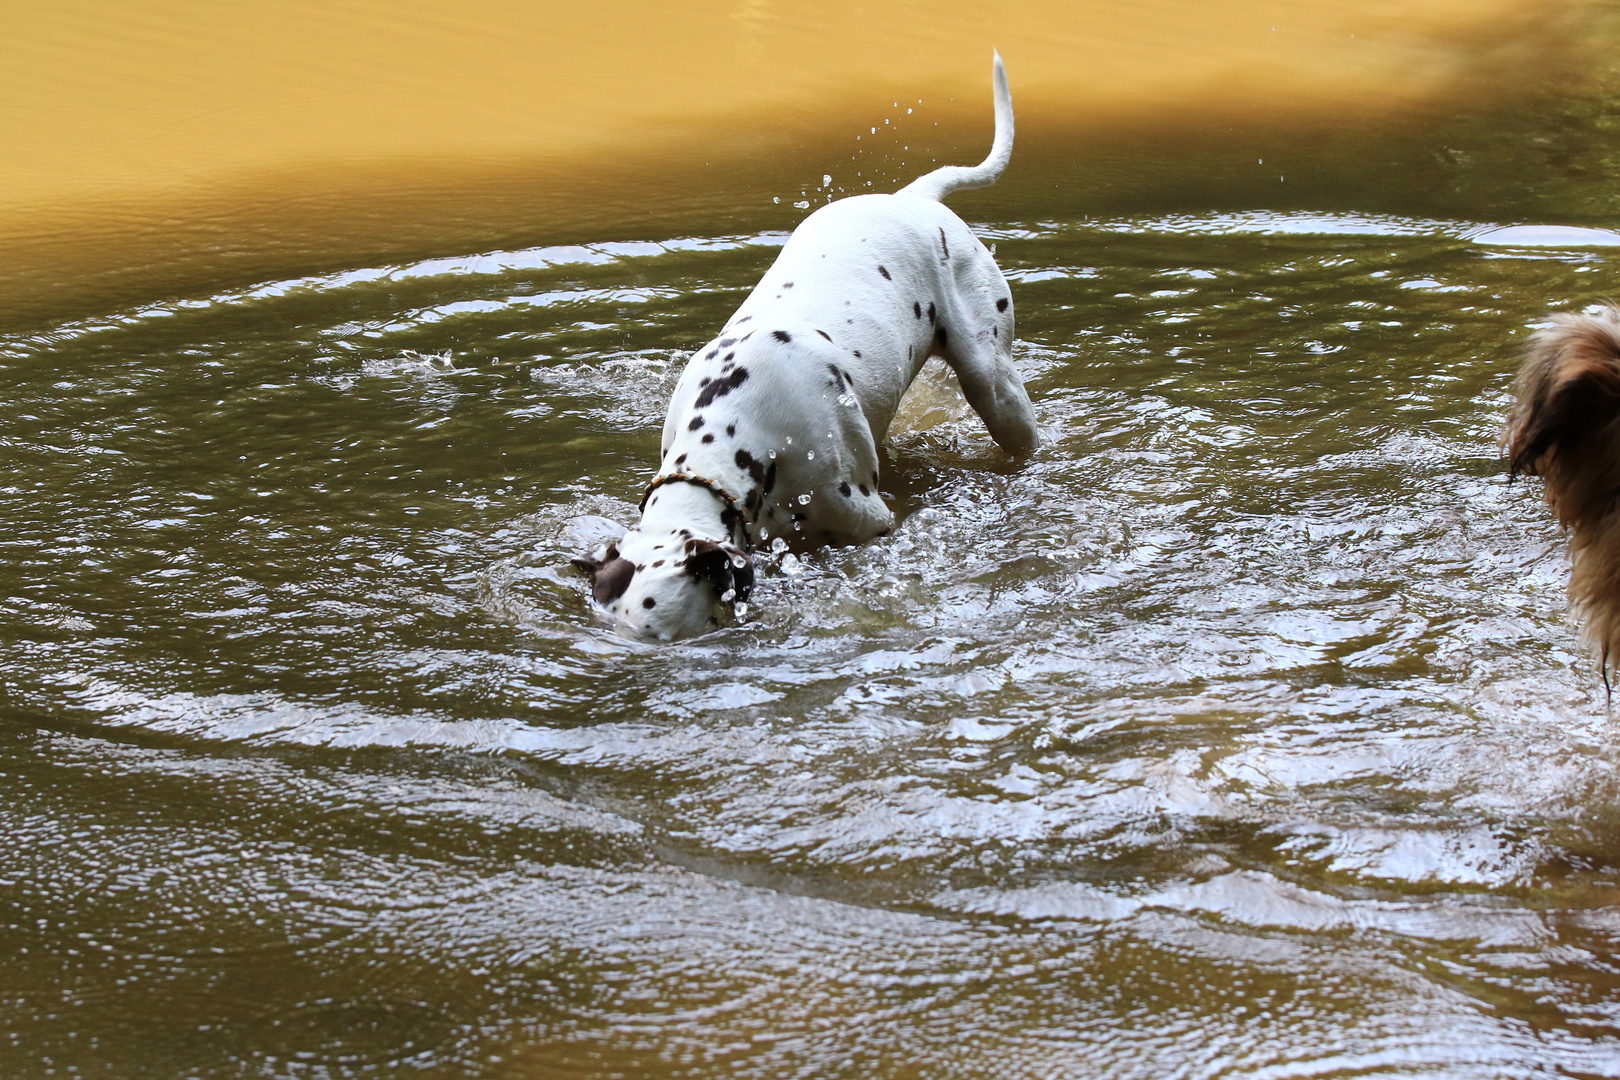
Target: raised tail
(1565,428)
(946,179)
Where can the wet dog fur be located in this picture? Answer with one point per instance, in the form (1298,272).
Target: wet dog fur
(773,430)
(1565,428)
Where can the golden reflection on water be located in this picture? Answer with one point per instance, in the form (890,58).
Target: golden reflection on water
(244,139)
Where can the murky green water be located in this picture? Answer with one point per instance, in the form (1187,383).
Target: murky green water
(1242,732)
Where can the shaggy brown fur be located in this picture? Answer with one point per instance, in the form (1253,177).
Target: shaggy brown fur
(1565,428)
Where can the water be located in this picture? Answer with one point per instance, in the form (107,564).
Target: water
(1244,731)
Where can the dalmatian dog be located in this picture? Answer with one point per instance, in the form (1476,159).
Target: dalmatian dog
(774,426)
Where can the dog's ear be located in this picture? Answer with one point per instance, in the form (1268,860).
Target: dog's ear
(609,583)
(1574,400)
(610,575)
(725,566)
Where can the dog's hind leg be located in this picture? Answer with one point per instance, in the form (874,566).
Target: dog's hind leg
(983,365)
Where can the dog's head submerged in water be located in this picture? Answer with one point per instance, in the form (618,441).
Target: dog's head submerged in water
(829,308)
(669,587)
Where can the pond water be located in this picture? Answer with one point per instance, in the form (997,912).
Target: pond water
(1243,731)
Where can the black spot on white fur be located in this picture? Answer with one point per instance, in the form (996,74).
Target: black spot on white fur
(916,309)
(745,461)
(885,272)
(930,311)
(823,333)
(782,335)
(1001,305)
(697,422)
(943,245)
(720,388)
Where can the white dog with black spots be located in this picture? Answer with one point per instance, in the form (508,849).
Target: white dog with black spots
(773,429)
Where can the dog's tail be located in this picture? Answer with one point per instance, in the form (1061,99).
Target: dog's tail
(1565,428)
(942,181)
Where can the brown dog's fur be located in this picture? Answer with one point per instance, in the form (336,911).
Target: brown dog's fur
(1565,428)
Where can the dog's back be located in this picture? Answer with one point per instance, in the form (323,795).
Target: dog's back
(1565,428)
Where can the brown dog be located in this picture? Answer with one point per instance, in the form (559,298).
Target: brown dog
(1565,428)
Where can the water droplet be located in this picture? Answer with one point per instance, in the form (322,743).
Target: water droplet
(826,181)
(738,561)
(773,455)
(810,455)
(804,500)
